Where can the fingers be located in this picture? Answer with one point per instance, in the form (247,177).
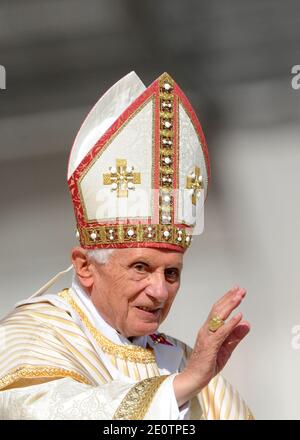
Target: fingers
(229,335)
(223,332)
(228,294)
(230,301)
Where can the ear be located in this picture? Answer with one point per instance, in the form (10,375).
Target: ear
(82,267)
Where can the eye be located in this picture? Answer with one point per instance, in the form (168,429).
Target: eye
(140,267)
(172,274)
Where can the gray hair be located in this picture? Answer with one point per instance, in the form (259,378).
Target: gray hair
(101,256)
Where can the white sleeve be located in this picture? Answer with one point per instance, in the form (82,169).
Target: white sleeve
(63,399)
(164,404)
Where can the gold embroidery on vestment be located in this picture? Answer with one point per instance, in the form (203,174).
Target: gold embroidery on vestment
(138,399)
(131,353)
(30,372)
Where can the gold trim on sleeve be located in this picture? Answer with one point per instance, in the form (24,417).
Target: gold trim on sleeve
(33,372)
(138,399)
(131,353)
(250,416)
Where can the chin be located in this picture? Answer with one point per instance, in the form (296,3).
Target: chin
(144,329)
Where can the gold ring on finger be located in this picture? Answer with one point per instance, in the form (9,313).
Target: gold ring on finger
(215,323)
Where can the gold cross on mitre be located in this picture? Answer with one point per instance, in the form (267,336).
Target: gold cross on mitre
(195,182)
(121,178)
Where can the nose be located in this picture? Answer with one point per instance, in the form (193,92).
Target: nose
(157,287)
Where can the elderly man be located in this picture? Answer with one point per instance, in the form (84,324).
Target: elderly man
(138,175)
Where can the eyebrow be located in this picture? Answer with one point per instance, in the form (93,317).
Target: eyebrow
(179,265)
(150,262)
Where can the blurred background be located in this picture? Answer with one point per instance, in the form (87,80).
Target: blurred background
(233,59)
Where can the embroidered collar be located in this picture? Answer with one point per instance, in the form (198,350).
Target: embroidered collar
(129,352)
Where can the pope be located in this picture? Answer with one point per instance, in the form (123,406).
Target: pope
(138,174)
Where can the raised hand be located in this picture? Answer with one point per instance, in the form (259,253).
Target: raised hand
(212,349)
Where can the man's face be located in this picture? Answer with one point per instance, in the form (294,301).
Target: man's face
(135,288)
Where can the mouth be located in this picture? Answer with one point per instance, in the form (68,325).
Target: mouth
(149,311)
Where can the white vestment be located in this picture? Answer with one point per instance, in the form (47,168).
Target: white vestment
(59,359)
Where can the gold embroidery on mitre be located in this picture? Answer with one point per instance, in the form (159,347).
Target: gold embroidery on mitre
(137,401)
(121,178)
(195,183)
(27,372)
(131,353)
(166,144)
(140,233)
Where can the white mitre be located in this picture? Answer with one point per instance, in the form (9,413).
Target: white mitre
(139,169)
